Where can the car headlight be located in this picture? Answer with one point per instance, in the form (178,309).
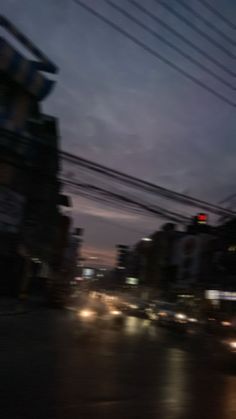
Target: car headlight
(226,323)
(192,320)
(231,344)
(162,314)
(115,312)
(180,316)
(86,313)
(133,306)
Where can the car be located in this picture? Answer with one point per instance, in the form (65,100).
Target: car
(136,308)
(165,314)
(116,315)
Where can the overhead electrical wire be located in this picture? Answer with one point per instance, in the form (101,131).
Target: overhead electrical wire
(170,44)
(127,200)
(124,179)
(195,28)
(118,187)
(206,22)
(183,38)
(86,192)
(217,13)
(114,188)
(161,212)
(87,174)
(228,198)
(122,206)
(112,204)
(156,54)
(145,185)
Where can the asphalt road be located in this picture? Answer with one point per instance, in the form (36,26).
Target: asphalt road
(51,366)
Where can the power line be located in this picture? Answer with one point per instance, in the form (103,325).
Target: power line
(105,185)
(145,185)
(133,210)
(166,193)
(218,14)
(228,198)
(76,190)
(123,207)
(126,179)
(160,212)
(155,53)
(169,44)
(195,27)
(86,190)
(106,220)
(206,22)
(182,37)
(118,191)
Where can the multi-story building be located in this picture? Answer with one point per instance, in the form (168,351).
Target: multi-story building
(224,268)
(122,257)
(29,160)
(173,262)
(193,261)
(153,260)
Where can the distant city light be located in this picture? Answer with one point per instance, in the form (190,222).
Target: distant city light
(131,281)
(220,295)
(36,260)
(88,272)
(212,294)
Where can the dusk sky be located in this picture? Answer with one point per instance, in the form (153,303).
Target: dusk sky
(121,107)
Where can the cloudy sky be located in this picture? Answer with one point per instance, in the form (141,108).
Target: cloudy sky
(120,106)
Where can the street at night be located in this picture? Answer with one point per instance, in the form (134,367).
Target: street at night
(53,366)
(117,209)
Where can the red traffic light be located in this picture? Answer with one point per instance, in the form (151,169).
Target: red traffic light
(202,218)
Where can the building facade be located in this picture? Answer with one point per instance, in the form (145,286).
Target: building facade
(29,161)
